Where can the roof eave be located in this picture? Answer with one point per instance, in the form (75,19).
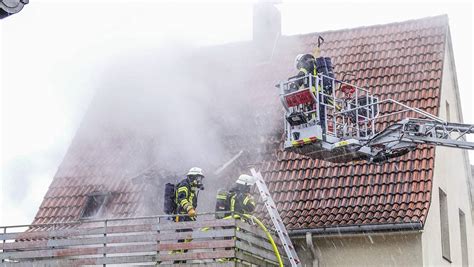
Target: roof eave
(368,228)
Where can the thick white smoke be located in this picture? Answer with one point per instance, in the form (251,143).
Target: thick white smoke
(162,111)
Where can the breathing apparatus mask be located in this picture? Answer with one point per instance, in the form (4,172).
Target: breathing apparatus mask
(243,188)
(196,181)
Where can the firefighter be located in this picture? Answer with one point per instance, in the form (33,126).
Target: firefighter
(187,193)
(186,200)
(238,200)
(306,64)
(242,201)
(236,203)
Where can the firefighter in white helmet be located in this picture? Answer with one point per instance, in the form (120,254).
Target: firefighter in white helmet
(186,201)
(309,66)
(186,194)
(305,64)
(238,200)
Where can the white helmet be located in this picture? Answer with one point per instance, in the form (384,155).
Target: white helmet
(245,179)
(195,171)
(301,57)
(297,59)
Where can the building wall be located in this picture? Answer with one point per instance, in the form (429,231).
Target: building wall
(451,174)
(390,249)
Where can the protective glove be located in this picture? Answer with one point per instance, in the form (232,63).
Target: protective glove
(192,212)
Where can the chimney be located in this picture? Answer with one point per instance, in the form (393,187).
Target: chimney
(266,26)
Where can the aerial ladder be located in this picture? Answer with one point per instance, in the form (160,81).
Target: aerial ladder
(335,121)
(345,123)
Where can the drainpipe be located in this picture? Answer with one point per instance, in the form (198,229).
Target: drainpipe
(312,249)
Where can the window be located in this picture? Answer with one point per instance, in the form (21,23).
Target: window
(94,204)
(448,111)
(462,226)
(443,214)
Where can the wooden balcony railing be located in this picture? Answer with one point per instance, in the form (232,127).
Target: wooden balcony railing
(144,241)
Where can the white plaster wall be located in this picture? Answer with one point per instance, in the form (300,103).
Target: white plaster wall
(390,249)
(451,174)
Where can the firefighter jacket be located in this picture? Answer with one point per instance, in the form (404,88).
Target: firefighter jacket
(306,68)
(186,198)
(310,68)
(242,203)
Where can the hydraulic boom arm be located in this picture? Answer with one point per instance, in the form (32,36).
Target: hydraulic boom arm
(421,131)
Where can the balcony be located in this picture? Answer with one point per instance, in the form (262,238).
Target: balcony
(144,241)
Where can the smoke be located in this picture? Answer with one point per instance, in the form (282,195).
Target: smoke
(161,111)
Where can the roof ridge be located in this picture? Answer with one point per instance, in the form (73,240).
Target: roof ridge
(437,17)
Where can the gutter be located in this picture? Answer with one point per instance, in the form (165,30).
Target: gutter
(368,228)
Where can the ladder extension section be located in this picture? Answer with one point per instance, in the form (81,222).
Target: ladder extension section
(431,132)
(276,219)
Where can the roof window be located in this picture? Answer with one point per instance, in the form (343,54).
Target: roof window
(95,204)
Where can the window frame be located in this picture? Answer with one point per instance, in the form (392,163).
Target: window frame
(105,199)
(444,225)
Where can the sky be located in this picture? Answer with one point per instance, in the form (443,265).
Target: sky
(53,54)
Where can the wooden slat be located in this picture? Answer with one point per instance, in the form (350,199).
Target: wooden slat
(197,245)
(54,233)
(116,260)
(197,234)
(24,244)
(260,242)
(83,251)
(196,224)
(198,255)
(43,263)
(89,261)
(246,257)
(28,245)
(209,264)
(256,231)
(255,251)
(131,228)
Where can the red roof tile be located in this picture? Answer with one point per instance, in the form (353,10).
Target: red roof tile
(402,61)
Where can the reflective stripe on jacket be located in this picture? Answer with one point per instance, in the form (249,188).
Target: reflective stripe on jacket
(185,197)
(243,203)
